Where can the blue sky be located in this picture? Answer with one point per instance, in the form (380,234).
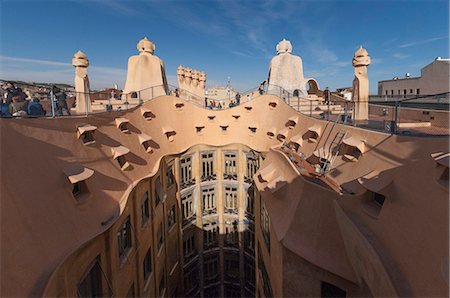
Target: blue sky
(223,38)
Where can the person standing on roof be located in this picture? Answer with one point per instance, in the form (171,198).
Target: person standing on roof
(238,98)
(61,102)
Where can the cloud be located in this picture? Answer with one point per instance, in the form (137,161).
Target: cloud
(118,7)
(400,56)
(35,61)
(36,70)
(421,42)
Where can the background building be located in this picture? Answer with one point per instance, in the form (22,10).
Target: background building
(434,79)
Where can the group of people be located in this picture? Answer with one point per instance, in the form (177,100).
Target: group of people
(213,104)
(15,103)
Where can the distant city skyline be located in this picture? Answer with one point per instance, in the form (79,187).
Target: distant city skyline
(222,38)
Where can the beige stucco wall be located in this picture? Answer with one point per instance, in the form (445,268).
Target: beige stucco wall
(29,220)
(434,79)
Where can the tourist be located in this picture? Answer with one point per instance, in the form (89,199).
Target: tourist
(238,98)
(261,87)
(61,102)
(326,95)
(19,105)
(35,108)
(4,108)
(177,93)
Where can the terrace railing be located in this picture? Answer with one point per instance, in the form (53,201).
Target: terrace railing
(425,115)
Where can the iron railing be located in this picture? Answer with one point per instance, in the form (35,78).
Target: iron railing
(422,115)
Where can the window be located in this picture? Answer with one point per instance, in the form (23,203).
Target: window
(252,166)
(329,290)
(159,192)
(86,134)
(123,127)
(224,128)
(199,129)
(418,91)
(267,288)
(160,236)
(169,176)
(147,265)
(171,217)
(265,223)
(250,197)
(121,160)
(124,238)
(249,273)
(231,203)
(392,92)
(210,231)
(76,189)
(191,279)
(230,166)
(209,199)
(210,265)
(249,238)
(91,284)
(386,92)
(87,137)
(232,267)
(410,91)
(130,293)
(208,166)
(378,199)
(231,235)
(187,206)
(189,248)
(145,210)
(186,172)
(162,284)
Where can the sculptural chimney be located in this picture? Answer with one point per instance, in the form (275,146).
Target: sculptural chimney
(360,95)
(83,101)
(146,77)
(286,71)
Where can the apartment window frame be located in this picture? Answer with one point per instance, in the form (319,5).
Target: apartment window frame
(210,234)
(160,237)
(170,177)
(230,160)
(124,239)
(252,165)
(230,196)
(171,217)
(187,207)
(210,268)
(90,283)
(145,208)
(265,223)
(189,247)
(147,265)
(207,165)
(186,177)
(209,199)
